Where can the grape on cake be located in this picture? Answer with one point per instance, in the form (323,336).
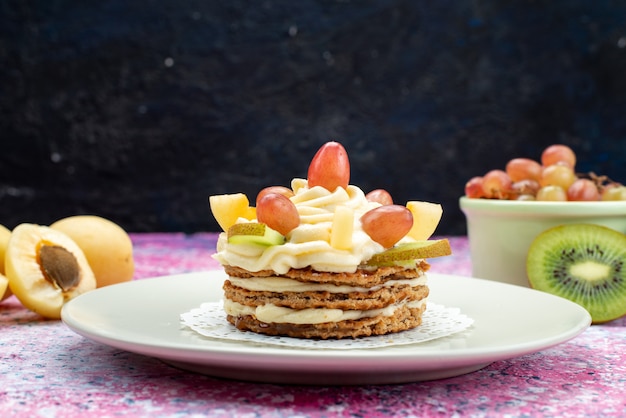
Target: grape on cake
(322,259)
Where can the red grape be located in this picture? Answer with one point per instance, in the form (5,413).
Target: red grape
(285,191)
(496,184)
(381,196)
(523,169)
(330,167)
(474,188)
(558,153)
(278,212)
(583,190)
(387,224)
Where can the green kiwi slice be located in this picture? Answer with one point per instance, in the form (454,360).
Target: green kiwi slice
(583,263)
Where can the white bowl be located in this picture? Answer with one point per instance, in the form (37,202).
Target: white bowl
(500,232)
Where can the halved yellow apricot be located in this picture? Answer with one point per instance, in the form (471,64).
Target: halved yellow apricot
(5,234)
(4,287)
(106,245)
(46,268)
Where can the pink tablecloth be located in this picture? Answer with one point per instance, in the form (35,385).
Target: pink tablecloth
(47,370)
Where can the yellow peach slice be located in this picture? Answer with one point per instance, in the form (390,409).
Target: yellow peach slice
(426,217)
(342,227)
(46,268)
(106,245)
(250,213)
(227,208)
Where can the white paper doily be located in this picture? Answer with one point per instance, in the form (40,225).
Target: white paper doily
(438,321)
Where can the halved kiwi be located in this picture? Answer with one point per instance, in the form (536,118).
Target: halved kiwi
(583,263)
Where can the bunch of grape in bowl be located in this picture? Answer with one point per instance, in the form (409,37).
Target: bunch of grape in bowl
(532,218)
(552,179)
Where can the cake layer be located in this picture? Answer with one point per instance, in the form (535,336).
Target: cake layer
(403,318)
(270,313)
(361,277)
(284,284)
(356,300)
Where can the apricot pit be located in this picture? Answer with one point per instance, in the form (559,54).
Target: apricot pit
(59,266)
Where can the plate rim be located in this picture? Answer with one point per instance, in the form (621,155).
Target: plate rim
(193,354)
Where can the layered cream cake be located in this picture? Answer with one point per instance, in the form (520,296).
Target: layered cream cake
(325,260)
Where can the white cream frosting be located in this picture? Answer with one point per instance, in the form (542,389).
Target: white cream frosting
(270,313)
(309,243)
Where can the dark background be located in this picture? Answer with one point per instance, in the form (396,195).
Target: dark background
(138,111)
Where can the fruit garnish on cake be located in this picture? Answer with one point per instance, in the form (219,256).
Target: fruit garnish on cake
(322,259)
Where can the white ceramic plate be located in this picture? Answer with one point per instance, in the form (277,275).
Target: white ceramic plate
(143,317)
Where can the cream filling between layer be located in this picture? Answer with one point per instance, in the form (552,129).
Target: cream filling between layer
(283,284)
(270,313)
